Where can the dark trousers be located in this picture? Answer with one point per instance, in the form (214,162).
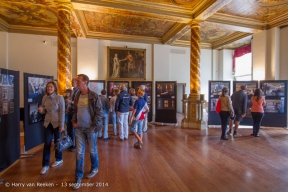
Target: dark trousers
(224,115)
(49,132)
(257,119)
(70,128)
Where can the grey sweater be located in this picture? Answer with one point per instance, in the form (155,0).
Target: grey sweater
(54,110)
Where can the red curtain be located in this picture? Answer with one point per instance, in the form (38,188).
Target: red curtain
(240,52)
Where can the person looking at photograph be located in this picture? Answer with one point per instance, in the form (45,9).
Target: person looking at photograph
(226,111)
(87,121)
(105,108)
(112,110)
(257,111)
(53,106)
(122,105)
(239,102)
(138,115)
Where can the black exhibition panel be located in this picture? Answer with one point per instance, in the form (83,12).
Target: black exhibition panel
(112,85)
(97,86)
(34,90)
(275,111)
(215,90)
(148,91)
(166,93)
(9,118)
(251,86)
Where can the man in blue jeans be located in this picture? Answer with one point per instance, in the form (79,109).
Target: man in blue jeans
(87,121)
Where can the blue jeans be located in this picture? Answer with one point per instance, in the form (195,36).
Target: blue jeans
(257,119)
(82,134)
(49,132)
(135,124)
(105,121)
(114,120)
(70,128)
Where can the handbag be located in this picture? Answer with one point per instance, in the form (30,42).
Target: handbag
(64,142)
(218,106)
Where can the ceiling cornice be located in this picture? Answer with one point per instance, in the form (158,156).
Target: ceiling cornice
(3,25)
(181,43)
(229,39)
(172,32)
(33,30)
(237,21)
(278,21)
(201,7)
(118,37)
(140,6)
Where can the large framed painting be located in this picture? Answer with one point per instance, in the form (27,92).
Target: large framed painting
(126,63)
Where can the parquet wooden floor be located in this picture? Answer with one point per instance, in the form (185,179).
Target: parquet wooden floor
(172,159)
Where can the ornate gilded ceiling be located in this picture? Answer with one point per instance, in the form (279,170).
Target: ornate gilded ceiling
(223,23)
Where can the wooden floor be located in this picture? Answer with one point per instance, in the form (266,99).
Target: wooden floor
(172,159)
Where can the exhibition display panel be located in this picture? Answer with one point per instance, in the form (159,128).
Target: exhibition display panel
(9,118)
(148,91)
(112,85)
(34,90)
(166,94)
(96,85)
(275,111)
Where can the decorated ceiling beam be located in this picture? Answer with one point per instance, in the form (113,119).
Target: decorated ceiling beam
(212,9)
(229,39)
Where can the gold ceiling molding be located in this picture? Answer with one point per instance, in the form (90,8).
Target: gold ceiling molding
(181,43)
(229,39)
(82,21)
(213,9)
(236,21)
(138,6)
(4,26)
(129,13)
(33,30)
(34,2)
(271,4)
(75,25)
(278,21)
(184,2)
(127,38)
(173,33)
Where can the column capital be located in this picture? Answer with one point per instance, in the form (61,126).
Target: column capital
(194,23)
(64,5)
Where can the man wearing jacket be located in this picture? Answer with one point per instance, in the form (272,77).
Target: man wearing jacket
(87,121)
(123,102)
(239,103)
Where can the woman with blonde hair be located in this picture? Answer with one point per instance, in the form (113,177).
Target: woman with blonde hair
(226,111)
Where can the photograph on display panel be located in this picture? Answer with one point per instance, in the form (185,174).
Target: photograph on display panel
(165,103)
(96,86)
(112,85)
(216,87)
(37,86)
(165,89)
(148,86)
(251,87)
(275,105)
(273,88)
(213,104)
(34,116)
(6,94)
(128,63)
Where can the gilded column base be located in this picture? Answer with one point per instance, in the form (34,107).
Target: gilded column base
(193,113)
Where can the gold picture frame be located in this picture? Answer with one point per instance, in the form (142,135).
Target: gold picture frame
(126,63)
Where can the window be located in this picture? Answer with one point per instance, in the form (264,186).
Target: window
(243,68)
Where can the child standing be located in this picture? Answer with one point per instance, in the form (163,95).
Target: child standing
(137,117)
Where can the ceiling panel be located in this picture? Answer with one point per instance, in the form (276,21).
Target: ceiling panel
(263,10)
(28,14)
(128,25)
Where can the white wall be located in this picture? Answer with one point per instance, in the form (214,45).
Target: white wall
(283,68)
(206,67)
(272,64)
(259,46)
(225,72)
(161,63)
(28,53)
(3,49)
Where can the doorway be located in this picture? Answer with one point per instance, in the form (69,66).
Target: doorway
(180,97)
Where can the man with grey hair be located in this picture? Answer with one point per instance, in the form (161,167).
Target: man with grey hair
(239,103)
(123,102)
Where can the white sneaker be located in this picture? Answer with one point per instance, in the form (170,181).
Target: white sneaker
(44,170)
(56,163)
